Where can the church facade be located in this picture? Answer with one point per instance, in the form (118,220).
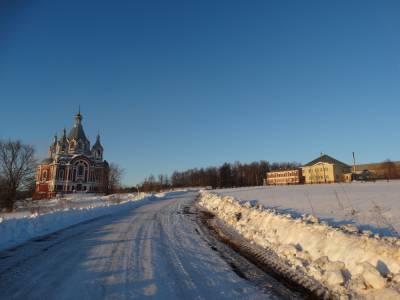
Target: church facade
(72,166)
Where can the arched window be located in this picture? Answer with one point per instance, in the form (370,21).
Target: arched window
(81,170)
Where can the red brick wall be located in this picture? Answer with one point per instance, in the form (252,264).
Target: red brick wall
(42,187)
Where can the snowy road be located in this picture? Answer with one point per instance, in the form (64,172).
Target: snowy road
(154,251)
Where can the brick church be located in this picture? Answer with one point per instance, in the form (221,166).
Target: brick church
(72,166)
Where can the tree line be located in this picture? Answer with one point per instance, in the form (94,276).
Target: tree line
(225,176)
(238,174)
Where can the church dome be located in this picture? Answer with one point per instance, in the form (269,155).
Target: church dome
(77,132)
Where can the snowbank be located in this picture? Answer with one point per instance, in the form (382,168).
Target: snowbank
(25,208)
(14,231)
(372,206)
(346,261)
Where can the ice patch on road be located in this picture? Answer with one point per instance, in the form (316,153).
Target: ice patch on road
(347,262)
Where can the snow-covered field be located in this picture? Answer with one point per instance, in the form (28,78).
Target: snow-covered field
(373,206)
(47,216)
(25,208)
(348,262)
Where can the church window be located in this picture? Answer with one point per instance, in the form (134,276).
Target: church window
(97,176)
(61,175)
(80,170)
(44,175)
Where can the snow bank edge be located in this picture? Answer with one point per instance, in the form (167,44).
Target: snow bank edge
(347,263)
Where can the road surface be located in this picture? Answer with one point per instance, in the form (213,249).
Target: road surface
(155,251)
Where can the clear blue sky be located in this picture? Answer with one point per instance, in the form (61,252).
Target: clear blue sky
(181,84)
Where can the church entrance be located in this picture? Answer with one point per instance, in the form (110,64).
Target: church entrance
(79,187)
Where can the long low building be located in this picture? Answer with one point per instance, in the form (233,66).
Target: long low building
(284,177)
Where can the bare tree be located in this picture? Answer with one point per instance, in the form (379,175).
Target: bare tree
(389,170)
(17,170)
(161,179)
(115,174)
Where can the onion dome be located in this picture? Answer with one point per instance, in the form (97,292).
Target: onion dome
(97,149)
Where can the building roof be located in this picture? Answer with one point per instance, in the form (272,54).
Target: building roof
(47,161)
(283,170)
(63,140)
(326,159)
(98,145)
(77,132)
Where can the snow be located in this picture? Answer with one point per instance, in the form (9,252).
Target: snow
(25,208)
(372,206)
(348,263)
(47,216)
(152,251)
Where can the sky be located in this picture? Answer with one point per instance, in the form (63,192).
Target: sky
(172,85)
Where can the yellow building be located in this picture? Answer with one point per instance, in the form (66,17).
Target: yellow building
(325,169)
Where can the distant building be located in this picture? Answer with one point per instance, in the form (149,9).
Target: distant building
(284,177)
(72,165)
(382,170)
(325,169)
(364,175)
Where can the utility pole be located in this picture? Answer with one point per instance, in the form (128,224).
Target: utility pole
(354,163)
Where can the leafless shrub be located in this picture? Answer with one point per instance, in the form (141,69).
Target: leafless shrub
(353,211)
(307,194)
(33,207)
(115,174)
(64,202)
(340,204)
(116,199)
(383,220)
